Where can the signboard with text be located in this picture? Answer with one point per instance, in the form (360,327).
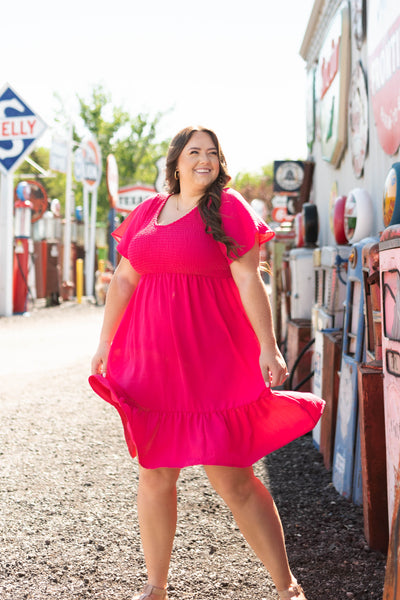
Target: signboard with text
(384,70)
(131,196)
(20,127)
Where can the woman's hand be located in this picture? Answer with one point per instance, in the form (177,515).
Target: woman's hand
(99,360)
(273,366)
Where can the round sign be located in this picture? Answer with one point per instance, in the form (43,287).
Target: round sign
(358,119)
(112,179)
(358,215)
(32,190)
(91,163)
(289,176)
(279,214)
(338,220)
(391,197)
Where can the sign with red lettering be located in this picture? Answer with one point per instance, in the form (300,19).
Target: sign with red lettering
(20,127)
(332,86)
(384,71)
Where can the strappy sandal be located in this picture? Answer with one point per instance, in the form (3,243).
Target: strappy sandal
(292,593)
(148,590)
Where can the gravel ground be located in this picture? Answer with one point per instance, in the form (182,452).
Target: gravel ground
(68,526)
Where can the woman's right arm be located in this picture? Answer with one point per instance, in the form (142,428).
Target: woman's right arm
(122,286)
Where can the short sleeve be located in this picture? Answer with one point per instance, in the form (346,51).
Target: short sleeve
(241,223)
(131,225)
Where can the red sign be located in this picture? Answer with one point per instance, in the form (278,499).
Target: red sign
(384,77)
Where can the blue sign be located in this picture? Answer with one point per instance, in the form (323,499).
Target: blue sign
(20,127)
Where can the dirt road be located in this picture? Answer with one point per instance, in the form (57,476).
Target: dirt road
(68,525)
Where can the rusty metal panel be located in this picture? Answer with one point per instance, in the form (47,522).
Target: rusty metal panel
(373,455)
(332,352)
(298,336)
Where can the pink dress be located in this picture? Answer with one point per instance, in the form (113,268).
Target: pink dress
(183,369)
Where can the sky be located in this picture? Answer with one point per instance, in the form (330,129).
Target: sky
(230,65)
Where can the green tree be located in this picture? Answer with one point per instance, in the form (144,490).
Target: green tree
(256,185)
(132,140)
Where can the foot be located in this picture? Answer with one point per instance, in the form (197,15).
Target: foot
(294,592)
(151,592)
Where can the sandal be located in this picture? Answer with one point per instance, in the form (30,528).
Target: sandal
(148,590)
(293,592)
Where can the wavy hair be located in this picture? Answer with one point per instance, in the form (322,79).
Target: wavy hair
(209,204)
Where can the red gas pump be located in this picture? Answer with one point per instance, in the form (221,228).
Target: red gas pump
(22,233)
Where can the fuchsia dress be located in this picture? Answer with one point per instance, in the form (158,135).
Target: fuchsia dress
(183,369)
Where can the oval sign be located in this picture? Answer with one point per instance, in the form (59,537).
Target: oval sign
(91,163)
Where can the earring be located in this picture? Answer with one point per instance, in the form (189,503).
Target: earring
(176,174)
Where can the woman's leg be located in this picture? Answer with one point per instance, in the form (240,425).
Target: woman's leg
(257,517)
(157,512)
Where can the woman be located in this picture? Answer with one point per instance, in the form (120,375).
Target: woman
(187,355)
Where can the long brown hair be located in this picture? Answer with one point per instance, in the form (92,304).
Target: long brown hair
(209,204)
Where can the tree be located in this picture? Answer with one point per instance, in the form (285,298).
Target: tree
(256,185)
(132,140)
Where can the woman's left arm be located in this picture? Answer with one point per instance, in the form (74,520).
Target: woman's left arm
(246,274)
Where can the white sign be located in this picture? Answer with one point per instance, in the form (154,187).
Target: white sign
(20,127)
(131,196)
(91,163)
(59,155)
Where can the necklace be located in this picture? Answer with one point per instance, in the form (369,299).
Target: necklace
(183,209)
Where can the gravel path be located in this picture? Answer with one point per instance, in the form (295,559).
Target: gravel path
(68,526)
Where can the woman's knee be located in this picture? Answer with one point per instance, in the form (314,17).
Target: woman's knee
(234,485)
(158,481)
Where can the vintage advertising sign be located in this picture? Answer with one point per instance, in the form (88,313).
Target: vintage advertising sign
(131,196)
(20,127)
(310,109)
(384,70)
(91,163)
(358,119)
(333,76)
(288,176)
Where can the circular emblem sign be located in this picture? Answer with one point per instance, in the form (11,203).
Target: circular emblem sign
(358,119)
(358,215)
(289,176)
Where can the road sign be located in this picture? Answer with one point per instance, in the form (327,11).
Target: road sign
(20,127)
(92,163)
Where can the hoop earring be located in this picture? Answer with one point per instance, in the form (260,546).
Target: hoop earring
(176,174)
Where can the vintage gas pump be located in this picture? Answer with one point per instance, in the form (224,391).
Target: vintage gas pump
(328,316)
(389,265)
(371,408)
(22,250)
(347,458)
(302,297)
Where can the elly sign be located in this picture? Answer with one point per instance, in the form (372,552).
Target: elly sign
(19,129)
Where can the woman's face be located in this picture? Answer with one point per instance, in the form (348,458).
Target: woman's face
(198,163)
